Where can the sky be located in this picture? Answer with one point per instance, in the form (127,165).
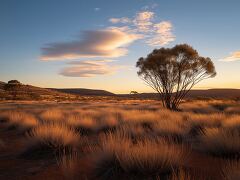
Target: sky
(96,44)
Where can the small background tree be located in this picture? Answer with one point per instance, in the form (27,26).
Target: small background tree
(133,92)
(12,87)
(172,72)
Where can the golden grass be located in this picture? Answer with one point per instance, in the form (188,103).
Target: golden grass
(52,114)
(231,122)
(171,125)
(134,132)
(202,107)
(233,109)
(94,122)
(182,174)
(108,120)
(78,121)
(21,120)
(139,116)
(119,154)
(54,136)
(221,142)
(68,163)
(207,120)
(132,139)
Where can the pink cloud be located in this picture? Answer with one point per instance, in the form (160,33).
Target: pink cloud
(99,43)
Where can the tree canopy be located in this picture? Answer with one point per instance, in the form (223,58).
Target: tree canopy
(172,72)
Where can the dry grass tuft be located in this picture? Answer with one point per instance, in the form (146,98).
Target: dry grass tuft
(82,123)
(52,114)
(21,120)
(181,175)
(173,129)
(52,138)
(233,110)
(108,121)
(232,122)
(131,139)
(202,107)
(220,142)
(139,116)
(207,120)
(150,158)
(68,163)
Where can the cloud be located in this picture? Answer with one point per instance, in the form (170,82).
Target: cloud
(143,20)
(152,6)
(144,16)
(163,27)
(120,20)
(89,68)
(111,42)
(235,56)
(99,43)
(91,61)
(163,34)
(155,33)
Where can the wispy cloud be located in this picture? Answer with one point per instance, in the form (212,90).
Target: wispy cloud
(163,34)
(97,9)
(155,33)
(89,68)
(149,7)
(99,43)
(120,20)
(235,56)
(110,42)
(143,20)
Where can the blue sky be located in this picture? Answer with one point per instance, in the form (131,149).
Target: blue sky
(38,40)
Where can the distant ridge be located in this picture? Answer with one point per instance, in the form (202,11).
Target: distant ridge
(221,93)
(28,92)
(85,92)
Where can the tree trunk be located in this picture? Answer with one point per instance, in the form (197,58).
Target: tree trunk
(174,107)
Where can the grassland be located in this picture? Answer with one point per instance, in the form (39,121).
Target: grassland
(127,139)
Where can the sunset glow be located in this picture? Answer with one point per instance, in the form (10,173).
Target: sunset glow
(47,44)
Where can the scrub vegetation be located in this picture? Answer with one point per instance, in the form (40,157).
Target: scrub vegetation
(134,139)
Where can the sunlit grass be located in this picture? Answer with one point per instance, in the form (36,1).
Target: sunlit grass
(51,138)
(119,155)
(20,120)
(220,142)
(129,139)
(52,114)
